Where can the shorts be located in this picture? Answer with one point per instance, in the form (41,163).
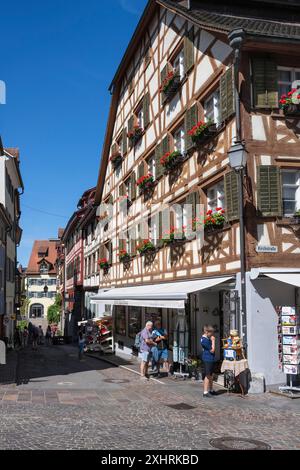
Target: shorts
(208,369)
(146,356)
(160,354)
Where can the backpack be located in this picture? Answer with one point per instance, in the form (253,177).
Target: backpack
(138,340)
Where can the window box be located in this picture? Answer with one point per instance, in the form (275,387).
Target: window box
(104,264)
(286,103)
(135,135)
(215,220)
(292,110)
(170,85)
(173,237)
(171,160)
(124,256)
(145,183)
(202,130)
(116,160)
(145,247)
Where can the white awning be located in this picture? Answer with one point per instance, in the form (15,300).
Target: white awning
(289,276)
(167,295)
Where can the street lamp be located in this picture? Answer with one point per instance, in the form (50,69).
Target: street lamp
(237,155)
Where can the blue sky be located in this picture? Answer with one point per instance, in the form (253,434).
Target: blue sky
(57,60)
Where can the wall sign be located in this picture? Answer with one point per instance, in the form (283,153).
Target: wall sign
(267,249)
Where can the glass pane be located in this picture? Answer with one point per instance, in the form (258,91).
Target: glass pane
(134,321)
(285,75)
(289,193)
(289,207)
(289,177)
(284,89)
(297,75)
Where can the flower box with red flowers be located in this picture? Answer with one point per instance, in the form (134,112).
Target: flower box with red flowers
(116,159)
(287,102)
(135,134)
(145,183)
(104,264)
(145,246)
(173,236)
(215,219)
(124,256)
(170,84)
(202,130)
(171,160)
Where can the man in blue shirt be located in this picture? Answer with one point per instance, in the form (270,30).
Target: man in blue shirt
(208,343)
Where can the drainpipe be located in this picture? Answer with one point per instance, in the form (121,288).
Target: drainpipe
(236,38)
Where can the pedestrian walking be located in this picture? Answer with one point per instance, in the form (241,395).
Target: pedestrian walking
(41,335)
(25,335)
(208,343)
(160,352)
(48,335)
(81,345)
(35,338)
(146,345)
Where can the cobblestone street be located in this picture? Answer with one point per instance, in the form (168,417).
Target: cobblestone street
(61,403)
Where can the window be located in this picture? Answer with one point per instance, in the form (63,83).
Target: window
(181,215)
(128,187)
(151,165)
(44,268)
(286,77)
(212,108)
(140,117)
(290,191)
(120,321)
(178,64)
(215,196)
(179,139)
(134,321)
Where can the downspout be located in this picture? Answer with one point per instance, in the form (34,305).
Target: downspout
(236,38)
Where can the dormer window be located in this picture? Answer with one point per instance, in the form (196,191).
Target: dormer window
(44,268)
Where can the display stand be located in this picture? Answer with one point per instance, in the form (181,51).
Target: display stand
(181,346)
(289,346)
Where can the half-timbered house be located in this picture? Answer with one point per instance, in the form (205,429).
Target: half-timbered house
(172,121)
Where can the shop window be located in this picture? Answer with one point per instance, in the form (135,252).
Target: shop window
(290,192)
(153,315)
(216,196)
(134,321)
(212,108)
(120,322)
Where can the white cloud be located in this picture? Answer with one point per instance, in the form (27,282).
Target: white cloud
(131,6)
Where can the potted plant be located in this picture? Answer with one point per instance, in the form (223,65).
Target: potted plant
(297,215)
(287,104)
(173,235)
(171,159)
(145,182)
(145,246)
(135,134)
(170,84)
(124,256)
(215,219)
(116,159)
(104,264)
(202,130)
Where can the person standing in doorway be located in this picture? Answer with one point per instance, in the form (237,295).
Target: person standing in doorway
(146,346)
(208,343)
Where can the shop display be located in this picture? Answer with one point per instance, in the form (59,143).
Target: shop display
(289,340)
(98,335)
(233,346)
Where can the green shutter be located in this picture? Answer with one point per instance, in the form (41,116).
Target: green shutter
(121,243)
(189,56)
(227,104)
(114,149)
(110,252)
(133,186)
(231,195)
(193,199)
(190,119)
(102,253)
(165,145)
(158,166)
(265,82)
(131,124)
(146,109)
(111,199)
(269,194)
(122,189)
(141,169)
(163,75)
(124,138)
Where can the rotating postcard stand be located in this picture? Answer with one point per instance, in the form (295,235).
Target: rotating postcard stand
(181,344)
